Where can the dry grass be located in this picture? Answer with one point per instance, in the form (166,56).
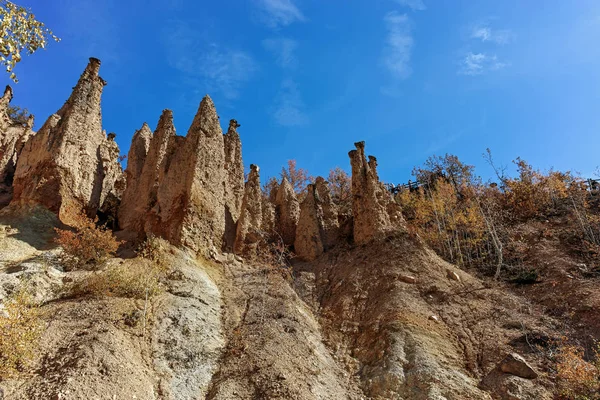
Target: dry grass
(136,279)
(20,331)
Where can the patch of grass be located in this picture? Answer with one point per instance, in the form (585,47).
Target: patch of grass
(139,279)
(20,330)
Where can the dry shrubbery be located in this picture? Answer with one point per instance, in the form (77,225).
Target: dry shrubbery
(139,279)
(87,244)
(469,223)
(577,379)
(20,330)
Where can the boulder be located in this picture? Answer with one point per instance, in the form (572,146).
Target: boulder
(516,365)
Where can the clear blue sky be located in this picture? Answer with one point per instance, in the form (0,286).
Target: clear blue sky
(307,78)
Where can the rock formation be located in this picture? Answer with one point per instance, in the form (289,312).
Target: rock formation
(191,195)
(308,243)
(146,169)
(234,185)
(248,234)
(62,167)
(331,226)
(136,159)
(374,211)
(287,212)
(113,181)
(13,137)
(187,188)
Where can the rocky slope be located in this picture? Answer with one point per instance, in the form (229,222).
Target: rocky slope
(367,314)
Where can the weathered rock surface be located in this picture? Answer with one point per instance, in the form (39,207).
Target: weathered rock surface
(249,224)
(184,192)
(142,195)
(287,212)
(62,167)
(234,185)
(13,137)
(136,158)
(308,243)
(330,223)
(375,213)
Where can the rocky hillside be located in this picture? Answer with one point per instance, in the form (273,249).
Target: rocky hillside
(221,292)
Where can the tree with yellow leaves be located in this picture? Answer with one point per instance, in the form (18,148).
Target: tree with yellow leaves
(20,32)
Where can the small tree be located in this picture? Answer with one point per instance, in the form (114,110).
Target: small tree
(17,114)
(298,177)
(20,32)
(340,184)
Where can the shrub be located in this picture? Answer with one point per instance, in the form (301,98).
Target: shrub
(17,114)
(153,249)
(20,330)
(577,378)
(87,244)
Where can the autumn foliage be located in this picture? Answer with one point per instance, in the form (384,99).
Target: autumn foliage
(20,331)
(86,245)
(469,222)
(577,378)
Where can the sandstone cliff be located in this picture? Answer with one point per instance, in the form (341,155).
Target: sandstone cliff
(69,164)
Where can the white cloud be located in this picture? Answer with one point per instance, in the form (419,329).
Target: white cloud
(289,108)
(399,44)
(415,5)
(480,63)
(284,51)
(221,69)
(487,34)
(277,13)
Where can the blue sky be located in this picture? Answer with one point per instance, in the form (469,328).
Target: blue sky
(307,78)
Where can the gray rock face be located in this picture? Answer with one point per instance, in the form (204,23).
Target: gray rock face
(249,225)
(374,211)
(62,166)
